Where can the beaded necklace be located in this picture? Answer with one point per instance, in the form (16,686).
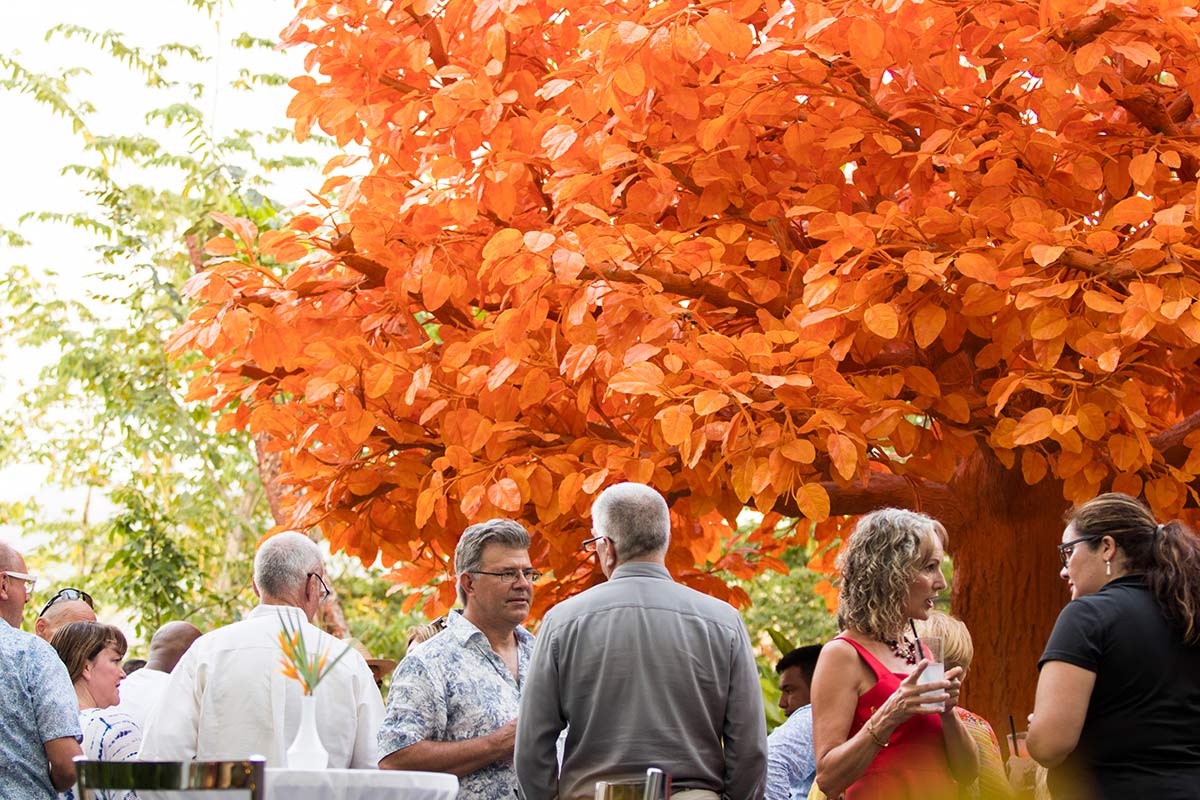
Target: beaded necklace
(903,649)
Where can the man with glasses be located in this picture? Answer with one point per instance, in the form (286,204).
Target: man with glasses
(64,607)
(453,702)
(644,672)
(39,712)
(227,697)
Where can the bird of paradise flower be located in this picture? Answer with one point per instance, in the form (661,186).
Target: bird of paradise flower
(298,663)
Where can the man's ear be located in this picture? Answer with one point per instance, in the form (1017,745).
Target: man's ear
(254,585)
(466,584)
(39,627)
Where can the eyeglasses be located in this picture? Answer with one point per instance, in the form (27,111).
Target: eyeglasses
(1067,548)
(30,580)
(69,593)
(511,575)
(325,591)
(590,545)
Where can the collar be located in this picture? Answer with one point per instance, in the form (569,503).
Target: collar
(463,630)
(641,569)
(263,610)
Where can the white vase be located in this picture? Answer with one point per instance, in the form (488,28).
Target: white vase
(306,751)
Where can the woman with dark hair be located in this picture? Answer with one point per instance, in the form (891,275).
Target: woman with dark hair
(877,732)
(92,652)
(1117,712)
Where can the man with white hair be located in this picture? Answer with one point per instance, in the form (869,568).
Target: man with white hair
(643,672)
(453,702)
(228,698)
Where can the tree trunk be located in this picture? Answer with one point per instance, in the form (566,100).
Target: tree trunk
(1006,583)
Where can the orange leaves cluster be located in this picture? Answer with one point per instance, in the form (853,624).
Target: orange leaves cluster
(749,253)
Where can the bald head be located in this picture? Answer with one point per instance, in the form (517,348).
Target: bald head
(61,614)
(13,596)
(169,643)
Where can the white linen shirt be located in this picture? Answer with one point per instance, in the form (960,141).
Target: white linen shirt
(140,693)
(228,699)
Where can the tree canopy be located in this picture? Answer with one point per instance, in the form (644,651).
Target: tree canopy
(808,257)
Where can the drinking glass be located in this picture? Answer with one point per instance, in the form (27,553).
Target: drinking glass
(935,671)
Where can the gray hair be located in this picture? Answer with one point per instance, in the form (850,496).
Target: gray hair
(283,562)
(468,555)
(635,517)
(8,556)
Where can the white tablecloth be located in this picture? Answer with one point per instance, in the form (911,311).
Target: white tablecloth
(359,784)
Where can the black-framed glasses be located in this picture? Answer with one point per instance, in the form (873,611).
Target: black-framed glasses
(1067,548)
(590,545)
(325,591)
(512,575)
(68,593)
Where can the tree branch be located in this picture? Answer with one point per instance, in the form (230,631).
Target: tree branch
(1170,441)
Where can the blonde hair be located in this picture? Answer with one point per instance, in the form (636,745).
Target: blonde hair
(957,648)
(878,565)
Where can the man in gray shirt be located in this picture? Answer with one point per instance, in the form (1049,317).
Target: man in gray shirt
(642,672)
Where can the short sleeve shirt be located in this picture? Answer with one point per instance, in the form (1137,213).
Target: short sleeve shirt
(791,762)
(454,687)
(37,705)
(108,735)
(1141,735)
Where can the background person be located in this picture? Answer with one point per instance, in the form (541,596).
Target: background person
(141,691)
(958,651)
(875,736)
(795,671)
(791,761)
(39,715)
(92,653)
(1117,710)
(65,606)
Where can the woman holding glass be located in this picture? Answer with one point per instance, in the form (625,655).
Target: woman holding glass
(1117,710)
(877,732)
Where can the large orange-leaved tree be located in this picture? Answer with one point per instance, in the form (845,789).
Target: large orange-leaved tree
(813,258)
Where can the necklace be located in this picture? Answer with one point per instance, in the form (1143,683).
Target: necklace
(903,649)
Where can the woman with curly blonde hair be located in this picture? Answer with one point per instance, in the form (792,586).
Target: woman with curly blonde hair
(876,731)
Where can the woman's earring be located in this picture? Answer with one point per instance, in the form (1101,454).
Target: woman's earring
(1108,568)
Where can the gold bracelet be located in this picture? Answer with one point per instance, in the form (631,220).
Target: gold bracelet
(874,737)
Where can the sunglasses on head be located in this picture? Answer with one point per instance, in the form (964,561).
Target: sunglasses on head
(68,593)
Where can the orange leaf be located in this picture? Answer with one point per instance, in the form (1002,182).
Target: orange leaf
(813,501)
(504,243)
(1034,426)
(843,454)
(676,425)
(505,495)
(881,320)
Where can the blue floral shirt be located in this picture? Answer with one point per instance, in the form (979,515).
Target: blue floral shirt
(37,704)
(791,763)
(454,687)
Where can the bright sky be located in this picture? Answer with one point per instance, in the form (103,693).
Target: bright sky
(36,144)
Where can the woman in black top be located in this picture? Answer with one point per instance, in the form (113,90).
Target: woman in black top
(1117,713)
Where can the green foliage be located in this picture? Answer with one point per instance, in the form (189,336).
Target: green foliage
(171,508)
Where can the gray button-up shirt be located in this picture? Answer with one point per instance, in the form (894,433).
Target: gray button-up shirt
(647,673)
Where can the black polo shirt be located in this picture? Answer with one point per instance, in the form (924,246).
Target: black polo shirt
(1141,736)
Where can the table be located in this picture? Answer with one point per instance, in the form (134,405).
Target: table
(359,784)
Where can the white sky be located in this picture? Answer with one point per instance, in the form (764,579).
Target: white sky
(35,145)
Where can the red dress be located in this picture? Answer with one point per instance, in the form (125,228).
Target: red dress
(913,766)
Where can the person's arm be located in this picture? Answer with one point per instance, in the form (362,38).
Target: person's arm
(369,711)
(61,752)
(843,759)
(1059,709)
(460,758)
(961,751)
(745,732)
(540,720)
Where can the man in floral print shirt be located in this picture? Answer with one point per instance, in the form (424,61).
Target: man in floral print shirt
(453,702)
